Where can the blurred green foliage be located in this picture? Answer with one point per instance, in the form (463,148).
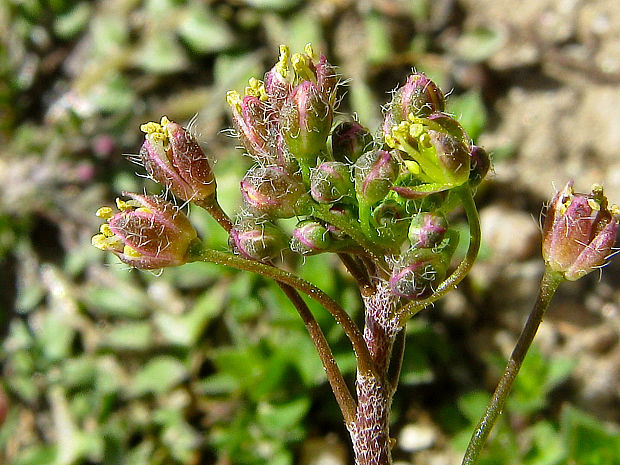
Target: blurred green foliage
(201,364)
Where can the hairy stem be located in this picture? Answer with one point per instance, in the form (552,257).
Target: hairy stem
(339,386)
(364,360)
(548,285)
(407,311)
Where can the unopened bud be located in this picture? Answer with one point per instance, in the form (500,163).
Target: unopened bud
(174,159)
(260,242)
(331,182)
(148,233)
(427,229)
(480,163)
(349,141)
(375,173)
(392,221)
(306,120)
(419,96)
(310,237)
(272,191)
(251,121)
(417,274)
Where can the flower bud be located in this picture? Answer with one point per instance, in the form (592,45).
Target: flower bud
(375,173)
(427,229)
(306,120)
(262,242)
(579,232)
(419,96)
(417,274)
(330,182)
(147,233)
(480,163)
(310,237)
(349,141)
(453,157)
(272,191)
(326,79)
(173,158)
(392,221)
(251,121)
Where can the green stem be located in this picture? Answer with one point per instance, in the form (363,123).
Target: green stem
(365,364)
(341,392)
(450,283)
(548,285)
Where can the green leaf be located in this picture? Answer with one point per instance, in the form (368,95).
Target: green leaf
(122,301)
(71,23)
(37,455)
(471,112)
(479,44)
(161,53)
(129,336)
(589,442)
(55,336)
(283,417)
(158,376)
(203,31)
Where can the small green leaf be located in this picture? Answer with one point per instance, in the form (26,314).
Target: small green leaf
(129,336)
(204,32)
(158,376)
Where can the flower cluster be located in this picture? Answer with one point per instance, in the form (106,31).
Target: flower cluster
(351,192)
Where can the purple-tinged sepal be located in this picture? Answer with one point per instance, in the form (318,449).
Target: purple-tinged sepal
(480,164)
(148,232)
(419,97)
(173,158)
(579,232)
(392,221)
(374,175)
(310,237)
(331,182)
(427,229)
(418,273)
(272,191)
(349,140)
(261,242)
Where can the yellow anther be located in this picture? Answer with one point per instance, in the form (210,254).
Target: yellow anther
(614,210)
(157,132)
(99,241)
(164,121)
(105,212)
(310,51)
(412,166)
(106,230)
(594,205)
(301,65)
(256,88)
(233,99)
(131,252)
(283,61)
(123,205)
(144,209)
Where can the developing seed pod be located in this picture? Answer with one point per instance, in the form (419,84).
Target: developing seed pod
(331,182)
(418,273)
(310,237)
(261,242)
(349,141)
(427,229)
(392,221)
(375,173)
(452,155)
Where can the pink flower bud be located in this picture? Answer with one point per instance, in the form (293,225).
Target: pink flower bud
(419,96)
(174,159)
(272,191)
(148,233)
(480,162)
(306,119)
(260,242)
(331,182)
(375,173)
(349,141)
(417,274)
(427,229)
(250,118)
(579,232)
(310,237)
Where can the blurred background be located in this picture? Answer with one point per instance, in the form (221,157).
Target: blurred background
(203,365)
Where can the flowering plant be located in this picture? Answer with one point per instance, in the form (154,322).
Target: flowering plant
(381,204)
